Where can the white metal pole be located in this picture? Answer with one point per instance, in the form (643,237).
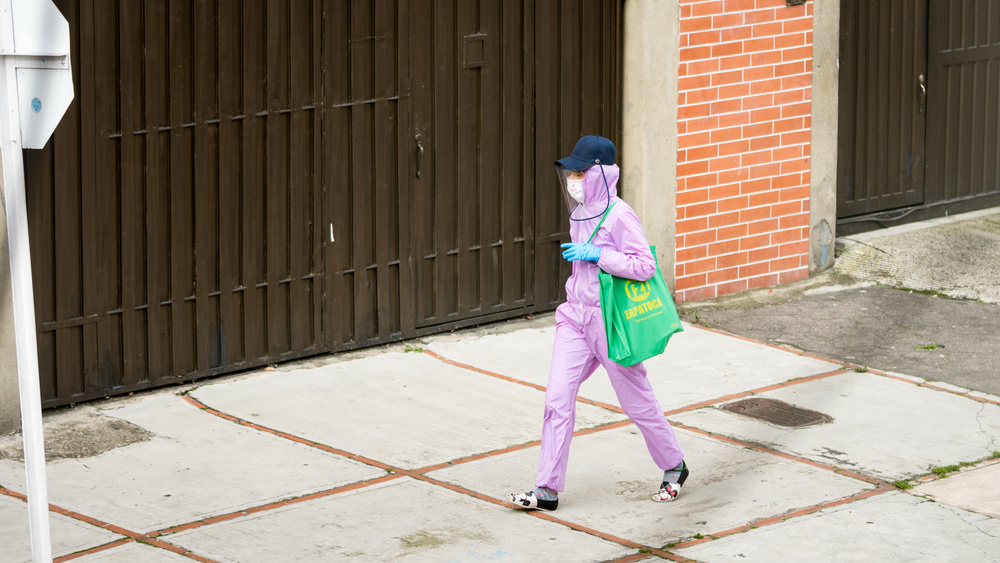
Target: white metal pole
(24,314)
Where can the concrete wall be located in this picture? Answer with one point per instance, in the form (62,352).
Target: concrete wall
(10,412)
(649,121)
(826,84)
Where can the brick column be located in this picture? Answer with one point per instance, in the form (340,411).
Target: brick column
(745,82)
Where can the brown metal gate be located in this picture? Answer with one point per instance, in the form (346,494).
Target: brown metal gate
(471,135)
(236,183)
(577,91)
(963,104)
(883,66)
(919,108)
(476,133)
(364,160)
(175,216)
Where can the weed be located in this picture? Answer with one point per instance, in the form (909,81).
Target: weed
(930,293)
(701,321)
(698,536)
(902,484)
(966,463)
(861,369)
(672,544)
(412,348)
(928,347)
(996,455)
(945,469)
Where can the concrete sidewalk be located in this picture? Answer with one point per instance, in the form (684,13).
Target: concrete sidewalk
(393,455)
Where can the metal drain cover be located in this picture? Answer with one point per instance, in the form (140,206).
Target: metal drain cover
(777,412)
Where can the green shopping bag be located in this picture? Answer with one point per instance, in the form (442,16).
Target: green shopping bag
(639,317)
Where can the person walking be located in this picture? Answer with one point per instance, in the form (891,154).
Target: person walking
(589,178)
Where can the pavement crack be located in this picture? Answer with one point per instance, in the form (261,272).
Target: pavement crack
(979,419)
(977,527)
(964,517)
(868,245)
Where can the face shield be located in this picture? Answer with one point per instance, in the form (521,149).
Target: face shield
(586,192)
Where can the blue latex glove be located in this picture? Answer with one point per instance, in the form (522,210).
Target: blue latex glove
(581,251)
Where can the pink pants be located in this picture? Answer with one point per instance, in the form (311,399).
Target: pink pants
(581,346)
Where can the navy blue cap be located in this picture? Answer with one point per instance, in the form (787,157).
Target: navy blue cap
(589,150)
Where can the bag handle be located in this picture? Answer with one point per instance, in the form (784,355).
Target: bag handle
(603,217)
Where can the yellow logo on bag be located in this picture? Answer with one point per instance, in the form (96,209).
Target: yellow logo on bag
(643,308)
(637,291)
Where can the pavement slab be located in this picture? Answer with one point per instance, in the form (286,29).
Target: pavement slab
(976,490)
(197,465)
(698,365)
(611,478)
(400,520)
(405,410)
(893,526)
(958,258)
(134,553)
(881,427)
(68,535)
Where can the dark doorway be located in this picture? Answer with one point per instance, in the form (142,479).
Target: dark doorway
(473,198)
(883,71)
(498,89)
(919,110)
(963,106)
(241,183)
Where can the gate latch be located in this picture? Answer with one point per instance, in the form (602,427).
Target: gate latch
(923,91)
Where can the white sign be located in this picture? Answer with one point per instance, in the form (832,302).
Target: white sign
(43,97)
(39,28)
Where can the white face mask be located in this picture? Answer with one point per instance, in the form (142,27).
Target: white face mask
(575,189)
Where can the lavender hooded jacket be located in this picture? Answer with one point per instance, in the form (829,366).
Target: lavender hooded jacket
(625,251)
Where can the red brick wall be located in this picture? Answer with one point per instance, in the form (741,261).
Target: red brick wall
(743,146)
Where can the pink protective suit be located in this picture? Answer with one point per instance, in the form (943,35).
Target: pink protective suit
(581,345)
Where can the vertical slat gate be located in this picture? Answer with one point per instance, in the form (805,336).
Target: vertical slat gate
(253,119)
(964,99)
(236,182)
(577,92)
(158,273)
(175,214)
(362,127)
(882,128)
(483,191)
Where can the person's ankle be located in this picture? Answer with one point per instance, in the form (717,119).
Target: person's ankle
(545,493)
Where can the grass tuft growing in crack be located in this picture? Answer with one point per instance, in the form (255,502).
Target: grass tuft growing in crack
(902,484)
(412,348)
(945,469)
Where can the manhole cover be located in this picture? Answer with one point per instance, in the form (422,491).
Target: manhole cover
(777,412)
